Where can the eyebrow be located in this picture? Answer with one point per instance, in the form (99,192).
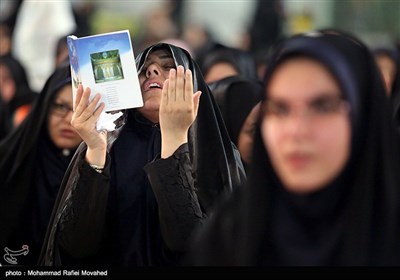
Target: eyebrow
(165,56)
(319,96)
(61,100)
(161,57)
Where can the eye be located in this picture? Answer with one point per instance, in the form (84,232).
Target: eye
(252,129)
(276,109)
(170,66)
(326,105)
(61,107)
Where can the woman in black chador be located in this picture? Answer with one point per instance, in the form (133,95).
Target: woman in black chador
(33,160)
(133,197)
(16,96)
(237,98)
(323,187)
(391,57)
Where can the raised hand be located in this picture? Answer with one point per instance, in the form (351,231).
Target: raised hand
(178,109)
(84,121)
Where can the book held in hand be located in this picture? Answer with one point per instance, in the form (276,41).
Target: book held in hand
(106,64)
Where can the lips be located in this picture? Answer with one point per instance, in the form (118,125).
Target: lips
(298,160)
(152,84)
(68,133)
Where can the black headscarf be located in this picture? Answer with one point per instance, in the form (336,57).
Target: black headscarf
(31,170)
(354,219)
(242,61)
(3,119)
(23,93)
(134,232)
(394,54)
(215,160)
(236,97)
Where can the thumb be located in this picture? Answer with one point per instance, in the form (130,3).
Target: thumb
(196,102)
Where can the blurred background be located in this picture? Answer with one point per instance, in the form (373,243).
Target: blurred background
(34,30)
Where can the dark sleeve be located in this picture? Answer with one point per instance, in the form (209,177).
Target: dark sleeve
(220,240)
(179,208)
(82,221)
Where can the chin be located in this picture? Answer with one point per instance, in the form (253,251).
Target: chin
(151,104)
(150,110)
(302,186)
(67,144)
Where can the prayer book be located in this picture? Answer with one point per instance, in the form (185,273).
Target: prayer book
(106,63)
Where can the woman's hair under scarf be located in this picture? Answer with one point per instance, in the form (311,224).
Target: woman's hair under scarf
(216,162)
(18,150)
(369,199)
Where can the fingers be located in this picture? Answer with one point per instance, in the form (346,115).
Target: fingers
(179,86)
(99,109)
(164,96)
(78,97)
(85,109)
(196,102)
(91,108)
(180,83)
(188,92)
(82,99)
(172,85)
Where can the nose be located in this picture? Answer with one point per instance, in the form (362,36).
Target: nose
(68,116)
(298,123)
(152,70)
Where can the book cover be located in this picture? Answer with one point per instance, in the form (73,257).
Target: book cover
(106,64)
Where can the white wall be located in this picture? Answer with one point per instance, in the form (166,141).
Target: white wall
(227,20)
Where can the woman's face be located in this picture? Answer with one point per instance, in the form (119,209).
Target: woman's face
(154,72)
(306,126)
(60,130)
(388,69)
(219,71)
(7,84)
(246,134)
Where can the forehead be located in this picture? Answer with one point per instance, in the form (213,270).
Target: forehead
(64,93)
(301,77)
(386,60)
(383,55)
(159,54)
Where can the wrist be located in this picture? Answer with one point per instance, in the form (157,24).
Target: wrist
(168,148)
(96,157)
(97,168)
